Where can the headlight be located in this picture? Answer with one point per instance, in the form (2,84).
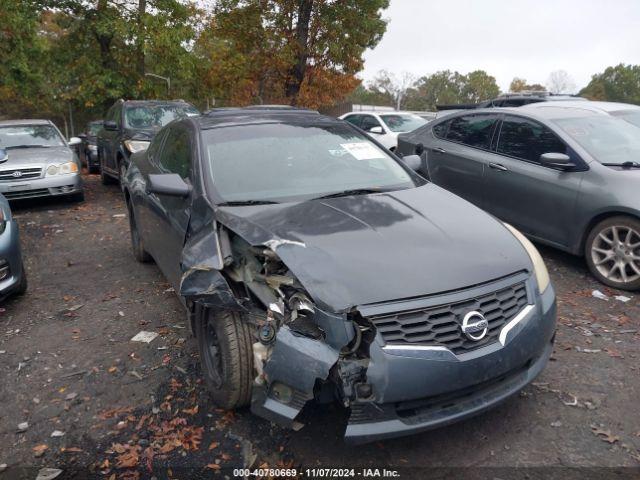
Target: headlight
(64,169)
(539,268)
(136,145)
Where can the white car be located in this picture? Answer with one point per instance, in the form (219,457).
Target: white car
(385,126)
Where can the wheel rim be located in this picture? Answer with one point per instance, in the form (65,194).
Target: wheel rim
(213,358)
(616,253)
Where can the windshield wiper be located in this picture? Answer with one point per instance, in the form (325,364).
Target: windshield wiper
(623,164)
(348,193)
(243,203)
(27,146)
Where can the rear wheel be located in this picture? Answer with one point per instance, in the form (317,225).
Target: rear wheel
(612,252)
(140,254)
(226,355)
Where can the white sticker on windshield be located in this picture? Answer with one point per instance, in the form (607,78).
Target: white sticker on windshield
(362,150)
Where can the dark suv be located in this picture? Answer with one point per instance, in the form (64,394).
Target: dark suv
(129,126)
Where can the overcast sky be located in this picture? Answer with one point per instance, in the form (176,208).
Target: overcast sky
(520,38)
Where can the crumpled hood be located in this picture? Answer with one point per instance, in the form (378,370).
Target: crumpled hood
(382,247)
(37,156)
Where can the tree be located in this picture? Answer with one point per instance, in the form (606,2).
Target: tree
(394,89)
(302,52)
(616,84)
(520,85)
(479,86)
(560,82)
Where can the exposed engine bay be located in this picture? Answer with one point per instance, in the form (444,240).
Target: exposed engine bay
(300,351)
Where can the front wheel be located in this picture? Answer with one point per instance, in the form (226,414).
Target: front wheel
(122,171)
(226,355)
(137,246)
(612,251)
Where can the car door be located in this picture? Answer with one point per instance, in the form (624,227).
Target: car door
(110,144)
(458,154)
(169,216)
(538,200)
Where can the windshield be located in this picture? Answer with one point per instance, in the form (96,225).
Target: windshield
(94,128)
(607,139)
(276,162)
(402,122)
(155,116)
(30,136)
(631,116)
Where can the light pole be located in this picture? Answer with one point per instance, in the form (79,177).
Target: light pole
(166,79)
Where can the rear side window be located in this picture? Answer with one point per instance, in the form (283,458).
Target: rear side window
(354,120)
(176,152)
(527,140)
(472,130)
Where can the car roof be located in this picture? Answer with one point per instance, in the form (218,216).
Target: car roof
(35,121)
(595,106)
(551,111)
(156,102)
(380,112)
(259,114)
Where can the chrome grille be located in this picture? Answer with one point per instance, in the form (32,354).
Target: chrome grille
(17,174)
(441,325)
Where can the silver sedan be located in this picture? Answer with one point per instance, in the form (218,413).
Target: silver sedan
(36,161)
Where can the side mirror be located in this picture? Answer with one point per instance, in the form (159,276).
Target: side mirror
(377,130)
(414,162)
(560,161)
(170,184)
(73,141)
(110,125)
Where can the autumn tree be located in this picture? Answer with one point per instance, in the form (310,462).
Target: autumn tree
(520,85)
(302,52)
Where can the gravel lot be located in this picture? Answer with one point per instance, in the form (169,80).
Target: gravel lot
(132,410)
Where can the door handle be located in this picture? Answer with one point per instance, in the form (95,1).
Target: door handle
(439,150)
(499,167)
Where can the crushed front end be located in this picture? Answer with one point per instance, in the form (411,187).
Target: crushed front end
(400,367)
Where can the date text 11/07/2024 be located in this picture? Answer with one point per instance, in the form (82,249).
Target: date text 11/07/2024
(318,473)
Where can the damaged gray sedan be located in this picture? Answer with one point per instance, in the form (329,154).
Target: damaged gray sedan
(315,265)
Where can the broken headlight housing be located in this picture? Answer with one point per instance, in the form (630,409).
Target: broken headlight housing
(539,268)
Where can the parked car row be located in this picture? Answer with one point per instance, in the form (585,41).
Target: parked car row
(399,286)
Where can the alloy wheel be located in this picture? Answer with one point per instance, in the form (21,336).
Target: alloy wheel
(615,253)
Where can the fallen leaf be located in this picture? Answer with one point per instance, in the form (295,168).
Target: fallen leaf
(213,466)
(213,445)
(604,435)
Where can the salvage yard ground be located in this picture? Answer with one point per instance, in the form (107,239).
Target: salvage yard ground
(68,365)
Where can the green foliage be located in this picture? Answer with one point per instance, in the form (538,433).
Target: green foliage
(82,55)
(616,84)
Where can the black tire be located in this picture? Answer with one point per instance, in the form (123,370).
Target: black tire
(226,355)
(77,197)
(137,246)
(600,238)
(22,286)
(105,178)
(122,170)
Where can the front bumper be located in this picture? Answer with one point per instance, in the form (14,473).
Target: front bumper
(10,256)
(421,389)
(42,187)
